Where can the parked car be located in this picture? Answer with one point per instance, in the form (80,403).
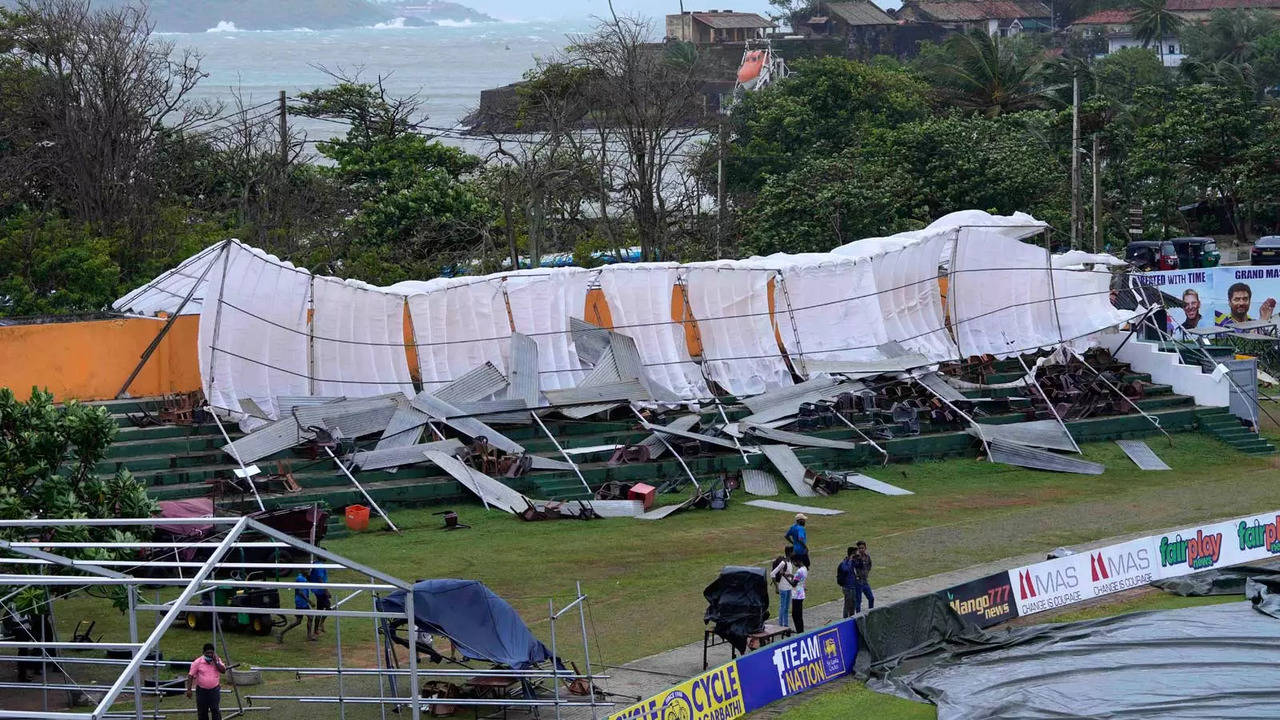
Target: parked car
(1148,255)
(1196,252)
(1266,251)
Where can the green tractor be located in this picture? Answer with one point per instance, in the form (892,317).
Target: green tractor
(258,624)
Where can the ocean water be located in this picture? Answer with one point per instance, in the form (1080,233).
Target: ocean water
(447,65)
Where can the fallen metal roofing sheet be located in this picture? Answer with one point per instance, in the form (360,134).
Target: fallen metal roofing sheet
(490,491)
(654,443)
(523,373)
(251,408)
(314,415)
(545,463)
(789,465)
(1021,455)
(469,426)
(939,386)
(1035,433)
(791,438)
(792,508)
(378,459)
(668,430)
(756,403)
(900,363)
(404,429)
(624,391)
(870,483)
(759,482)
(790,406)
(605,372)
(1142,455)
(476,384)
(617,508)
(659,513)
(267,440)
(588,339)
(626,356)
(287,403)
(361,423)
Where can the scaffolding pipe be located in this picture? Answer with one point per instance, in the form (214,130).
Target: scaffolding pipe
(360,487)
(564,454)
(232,449)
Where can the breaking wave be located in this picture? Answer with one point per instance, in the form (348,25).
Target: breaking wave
(224,26)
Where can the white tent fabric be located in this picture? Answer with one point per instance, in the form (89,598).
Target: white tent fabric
(165,293)
(639,298)
(458,325)
(730,301)
(541,302)
(1084,301)
(358,340)
(253,331)
(825,307)
(1000,295)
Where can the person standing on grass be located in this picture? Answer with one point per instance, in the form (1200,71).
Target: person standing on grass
(780,573)
(319,576)
(799,579)
(848,586)
(206,677)
(799,539)
(861,567)
(300,602)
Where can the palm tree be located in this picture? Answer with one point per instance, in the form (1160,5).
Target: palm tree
(1153,21)
(981,72)
(1230,36)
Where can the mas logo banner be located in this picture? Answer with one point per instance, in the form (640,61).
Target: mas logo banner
(1121,567)
(796,665)
(713,695)
(1047,585)
(984,602)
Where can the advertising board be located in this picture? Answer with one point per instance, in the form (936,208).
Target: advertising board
(1221,296)
(984,602)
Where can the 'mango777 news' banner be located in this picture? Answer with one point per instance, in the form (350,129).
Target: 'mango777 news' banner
(1075,578)
(756,679)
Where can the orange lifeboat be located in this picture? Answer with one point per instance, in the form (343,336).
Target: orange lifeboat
(752,64)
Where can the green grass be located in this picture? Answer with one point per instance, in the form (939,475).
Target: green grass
(645,579)
(850,698)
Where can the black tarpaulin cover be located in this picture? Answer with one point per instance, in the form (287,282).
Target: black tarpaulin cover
(481,624)
(738,604)
(1214,661)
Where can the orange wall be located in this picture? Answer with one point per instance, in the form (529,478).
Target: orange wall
(90,360)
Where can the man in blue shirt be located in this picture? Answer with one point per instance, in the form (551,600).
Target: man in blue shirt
(319,576)
(799,540)
(300,602)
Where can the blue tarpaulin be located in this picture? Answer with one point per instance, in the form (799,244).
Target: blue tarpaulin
(480,624)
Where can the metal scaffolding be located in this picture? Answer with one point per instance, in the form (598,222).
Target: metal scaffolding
(194,578)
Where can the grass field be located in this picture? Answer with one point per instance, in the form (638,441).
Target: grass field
(645,580)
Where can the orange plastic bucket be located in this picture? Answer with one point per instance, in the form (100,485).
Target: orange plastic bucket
(357,518)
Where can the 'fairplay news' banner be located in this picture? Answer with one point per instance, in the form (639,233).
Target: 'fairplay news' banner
(755,679)
(1075,578)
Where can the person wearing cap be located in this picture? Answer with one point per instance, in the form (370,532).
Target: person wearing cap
(799,540)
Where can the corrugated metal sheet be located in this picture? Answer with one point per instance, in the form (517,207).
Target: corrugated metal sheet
(367,460)
(1034,433)
(1142,455)
(656,447)
(287,403)
(477,384)
(523,373)
(617,508)
(314,415)
(759,482)
(626,356)
(791,438)
(404,429)
(668,430)
(659,513)
(605,372)
(788,403)
(870,483)
(756,403)
(792,508)
(359,424)
(626,390)
(789,465)
(901,363)
(588,340)
(251,408)
(1023,456)
(267,440)
(939,386)
(544,463)
(471,427)
(493,493)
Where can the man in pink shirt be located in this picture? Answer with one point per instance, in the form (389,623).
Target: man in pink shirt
(206,676)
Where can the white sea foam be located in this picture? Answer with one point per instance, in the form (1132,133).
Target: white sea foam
(223,26)
(395,24)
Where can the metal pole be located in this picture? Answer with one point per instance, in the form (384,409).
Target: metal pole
(415,689)
(1154,421)
(1097,196)
(1031,376)
(864,436)
(586,650)
(133,638)
(352,478)
(720,188)
(337,631)
(725,417)
(1075,156)
(380,645)
(670,449)
(236,455)
(564,454)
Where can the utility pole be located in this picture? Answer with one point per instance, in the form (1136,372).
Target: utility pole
(1075,157)
(284,131)
(720,187)
(1097,196)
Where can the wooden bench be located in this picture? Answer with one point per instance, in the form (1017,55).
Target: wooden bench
(769,634)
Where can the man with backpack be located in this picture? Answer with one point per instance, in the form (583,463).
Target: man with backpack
(844,578)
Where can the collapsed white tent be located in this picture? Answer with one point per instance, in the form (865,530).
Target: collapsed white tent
(269,329)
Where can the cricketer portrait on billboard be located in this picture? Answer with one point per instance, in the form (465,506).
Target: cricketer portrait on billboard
(1220,297)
